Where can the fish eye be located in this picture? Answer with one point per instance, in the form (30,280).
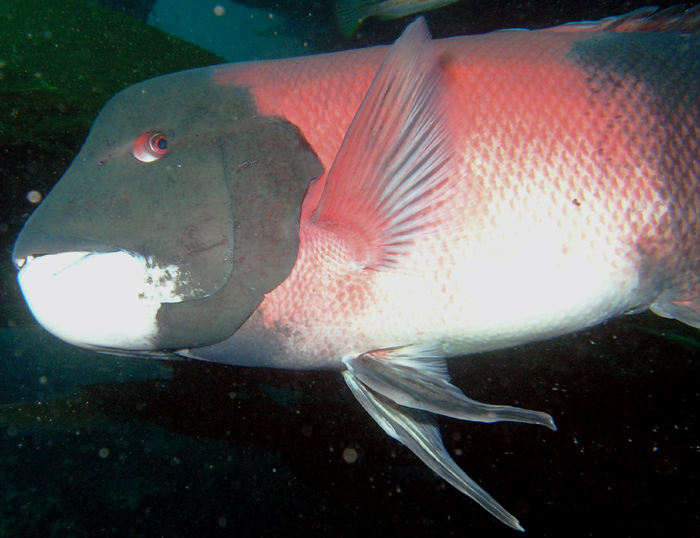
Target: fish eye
(150,147)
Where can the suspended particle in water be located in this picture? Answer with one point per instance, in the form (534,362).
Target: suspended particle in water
(350,455)
(34,197)
(219,11)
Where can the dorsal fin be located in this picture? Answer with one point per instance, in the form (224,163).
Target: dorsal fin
(647,19)
(391,170)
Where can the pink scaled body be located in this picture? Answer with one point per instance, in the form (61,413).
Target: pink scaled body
(563,209)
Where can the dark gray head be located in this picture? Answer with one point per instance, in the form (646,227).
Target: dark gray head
(180,211)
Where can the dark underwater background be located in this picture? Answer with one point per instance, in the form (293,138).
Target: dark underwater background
(92,445)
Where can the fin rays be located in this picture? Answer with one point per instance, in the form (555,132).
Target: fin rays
(400,393)
(418,431)
(409,385)
(391,172)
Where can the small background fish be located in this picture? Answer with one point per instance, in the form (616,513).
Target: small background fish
(351,13)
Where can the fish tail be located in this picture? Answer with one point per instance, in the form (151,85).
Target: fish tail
(350,14)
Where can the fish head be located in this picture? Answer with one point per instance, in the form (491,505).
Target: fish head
(179,212)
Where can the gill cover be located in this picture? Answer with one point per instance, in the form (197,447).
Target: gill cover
(220,199)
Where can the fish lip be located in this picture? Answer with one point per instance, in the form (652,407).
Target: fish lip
(32,243)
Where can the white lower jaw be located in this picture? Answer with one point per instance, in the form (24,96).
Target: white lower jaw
(98,299)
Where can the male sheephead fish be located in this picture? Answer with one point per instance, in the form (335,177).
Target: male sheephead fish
(378,211)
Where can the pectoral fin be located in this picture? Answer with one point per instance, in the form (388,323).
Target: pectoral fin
(391,175)
(400,392)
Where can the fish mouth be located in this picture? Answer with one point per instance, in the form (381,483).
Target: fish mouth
(33,243)
(120,302)
(98,300)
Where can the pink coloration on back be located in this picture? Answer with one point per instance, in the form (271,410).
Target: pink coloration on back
(318,94)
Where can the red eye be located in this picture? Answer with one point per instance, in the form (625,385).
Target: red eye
(150,147)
